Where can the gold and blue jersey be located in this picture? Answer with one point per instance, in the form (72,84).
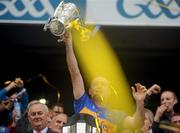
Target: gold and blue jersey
(85,105)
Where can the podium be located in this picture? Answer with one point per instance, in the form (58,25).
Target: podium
(80,123)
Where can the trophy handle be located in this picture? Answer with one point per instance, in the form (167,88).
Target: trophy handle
(46,26)
(60,7)
(61,38)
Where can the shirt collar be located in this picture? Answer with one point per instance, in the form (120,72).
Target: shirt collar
(42,131)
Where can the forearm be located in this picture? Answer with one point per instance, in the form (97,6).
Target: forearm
(3,94)
(77,81)
(139,114)
(156,118)
(71,60)
(4,91)
(147,101)
(135,121)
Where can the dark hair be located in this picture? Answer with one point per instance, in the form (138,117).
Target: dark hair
(56,104)
(176,108)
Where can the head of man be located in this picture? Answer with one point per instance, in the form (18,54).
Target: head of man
(38,115)
(100,90)
(57,109)
(149,116)
(175,119)
(57,122)
(169,99)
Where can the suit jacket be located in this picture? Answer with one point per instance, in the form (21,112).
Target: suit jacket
(48,131)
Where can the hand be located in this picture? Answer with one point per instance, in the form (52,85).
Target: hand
(10,86)
(161,109)
(19,83)
(68,38)
(139,92)
(155,89)
(159,112)
(7,104)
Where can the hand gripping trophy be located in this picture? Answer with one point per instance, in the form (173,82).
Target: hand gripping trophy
(64,14)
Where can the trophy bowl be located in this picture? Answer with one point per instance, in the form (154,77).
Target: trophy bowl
(56,27)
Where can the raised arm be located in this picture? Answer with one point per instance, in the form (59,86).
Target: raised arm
(137,119)
(76,78)
(154,89)
(4,91)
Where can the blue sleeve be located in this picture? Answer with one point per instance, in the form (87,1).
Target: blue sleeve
(3,93)
(81,102)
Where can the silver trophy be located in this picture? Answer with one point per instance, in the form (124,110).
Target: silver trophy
(64,14)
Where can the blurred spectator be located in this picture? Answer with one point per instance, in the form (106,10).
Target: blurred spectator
(38,116)
(149,117)
(57,109)
(23,125)
(57,122)
(14,121)
(165,111)
(6,103)
(175,121)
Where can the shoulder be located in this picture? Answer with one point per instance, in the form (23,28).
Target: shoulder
(83,101)
(30,131)
(50,131)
